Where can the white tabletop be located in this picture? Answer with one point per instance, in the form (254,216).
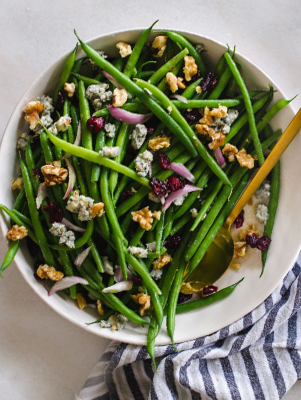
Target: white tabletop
(43,356)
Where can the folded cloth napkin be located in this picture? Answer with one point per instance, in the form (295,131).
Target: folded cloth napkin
(256,357)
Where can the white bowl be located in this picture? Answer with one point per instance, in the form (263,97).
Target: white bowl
(252,291)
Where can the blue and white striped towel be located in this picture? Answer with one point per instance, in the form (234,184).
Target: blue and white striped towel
(257,357)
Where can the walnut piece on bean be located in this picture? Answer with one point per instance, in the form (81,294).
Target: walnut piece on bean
(144,300)
(100,308)
(172,82)
(157,215)
(32,111)
(120,97)
(229,151)
(240,249)
(143,217)
(53,173)
(159,45)
(69,88)
(17,232)
(125,49)
(161,261)
(244,159)
(204,129)
(198,89)
(217,140)
(159,142)
(207,118)
(97,210)
(190,69)
(219,112)
(81,301)
(17,184)
(48,272)
(180,82)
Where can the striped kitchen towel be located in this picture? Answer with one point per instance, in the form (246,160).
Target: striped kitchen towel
(256,357)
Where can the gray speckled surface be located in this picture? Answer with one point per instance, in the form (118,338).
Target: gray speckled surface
(43,356)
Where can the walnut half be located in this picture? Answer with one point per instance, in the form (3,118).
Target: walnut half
(17,233)
(159,142)
(53,174)
(144,217)
(144,300)
(48,272)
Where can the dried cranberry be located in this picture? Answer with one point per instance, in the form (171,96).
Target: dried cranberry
(137,280)
(150,131)
(171,242)
(209,81)
(173,183)
(164,160)
(240,219)
(263,243)
(159,187)
(126,194)
(252,240)
(37,173)
(192,116)
(183,181)
(60,101)
(55,213)
(183,298)
(95,124)
(209,290)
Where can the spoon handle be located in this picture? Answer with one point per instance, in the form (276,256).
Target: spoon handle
(286,138)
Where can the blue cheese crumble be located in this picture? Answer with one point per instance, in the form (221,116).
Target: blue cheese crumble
(143,162)
(138,251)
(263,192)
(138,136)
(66,237)
(156,274)
(80,205)
(180,200)
(194,212)
(61,125)
(23,140)
(107,265)
(45,116)
(93,64)
(116,322)
(262,213)
(224,124)
(110,152)
(110,130)
(98,94)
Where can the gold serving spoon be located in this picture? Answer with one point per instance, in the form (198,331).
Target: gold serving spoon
(220,253)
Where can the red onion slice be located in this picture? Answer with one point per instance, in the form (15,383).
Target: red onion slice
(118,277)
(178,193)
(119,287)
(219,157)
(78,135)
(71,226)
(82,256)
(72,178)
(42,194)
(66,282)
(179,97)
(112,80)
(127,116)
(182,170)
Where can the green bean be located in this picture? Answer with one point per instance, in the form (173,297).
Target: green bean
(248,106)
(96,256)
(137,236)
(78,242)
(165,101)
(168,221)
(190,90)
(159,232)
(127,220)
(26,220)
(181,222)
(99,143)
(136,91)
(19,202)
(10,255)
(221,66)
(272,208)
(132,107)
(34,214)
(87,81)
(65,74)
(205,103)
(179,39)
(206,301)
(167,67)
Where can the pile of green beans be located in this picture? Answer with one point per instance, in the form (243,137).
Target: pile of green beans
(116,183)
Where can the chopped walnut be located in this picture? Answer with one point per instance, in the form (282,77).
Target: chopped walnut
(235,266)
(17,232)
(244,232)
(32,111)
(219,112)
(53,173)
(81,301)
(207,118)
(159,142)
(100,308)
(217,140)
(204,130)
(69,89)
(144,300)
(244,159)
(48,272)
(180,83)
(172,81)
(198,89)
(120,97)
(125,49)
(190,68)
(229,151)
(157,215)
(97,210)
(144,217)
(240,249)
(161,261)
(159,45)
(17,184)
